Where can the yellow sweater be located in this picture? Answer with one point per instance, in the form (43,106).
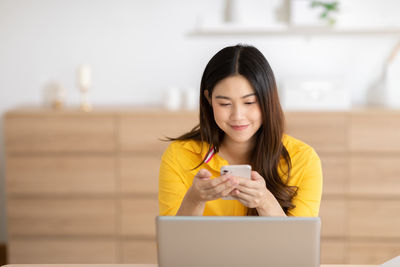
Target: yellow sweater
(176,176)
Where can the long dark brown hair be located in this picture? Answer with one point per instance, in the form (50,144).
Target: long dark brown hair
(249,62)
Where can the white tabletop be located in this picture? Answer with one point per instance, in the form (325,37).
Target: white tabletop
(147,265)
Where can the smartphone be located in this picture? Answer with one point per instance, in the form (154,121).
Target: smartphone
(243,171)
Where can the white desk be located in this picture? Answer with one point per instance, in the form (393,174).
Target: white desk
(145,265)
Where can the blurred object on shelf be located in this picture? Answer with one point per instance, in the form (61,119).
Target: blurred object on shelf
(385,91)
(84,81)
(282,12)
(54,95)
(299,94)
(172,98)
(304,13)
(392,81)
(190,99)
(230,11)
(255,13)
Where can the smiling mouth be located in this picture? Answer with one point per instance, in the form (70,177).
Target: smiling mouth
(239,127)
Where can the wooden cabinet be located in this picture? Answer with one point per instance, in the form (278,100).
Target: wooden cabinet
(62,249)
(375,175)
(360,156)
(135,171)
(38,217)
(376,131)
(82,187)
(48,132)
(325,131)
(141,132)
(61,174)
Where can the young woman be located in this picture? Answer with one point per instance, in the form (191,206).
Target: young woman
(241,122)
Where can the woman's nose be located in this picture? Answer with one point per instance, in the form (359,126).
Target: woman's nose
(237,112)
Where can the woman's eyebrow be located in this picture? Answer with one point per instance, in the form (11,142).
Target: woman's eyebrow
(228,98)
(222,97)
(249,95)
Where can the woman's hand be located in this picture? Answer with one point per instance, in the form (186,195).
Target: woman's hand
(253,193)
(205,189)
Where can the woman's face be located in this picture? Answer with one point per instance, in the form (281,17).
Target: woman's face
(236,108)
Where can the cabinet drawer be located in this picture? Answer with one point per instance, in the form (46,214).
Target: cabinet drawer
(375,132)
(139,251)
(138,216)
(333,251)
(372,252)
(141,132)
(60,174)
(374,218)
(42,251)
(335,169)
(139,173)
(333,217)
(324,131)
(61,217)
(375,176)
(63,133)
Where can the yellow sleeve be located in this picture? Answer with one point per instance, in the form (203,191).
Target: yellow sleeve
(171,188)
(308,198)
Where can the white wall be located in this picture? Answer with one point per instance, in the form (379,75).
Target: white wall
(137,49)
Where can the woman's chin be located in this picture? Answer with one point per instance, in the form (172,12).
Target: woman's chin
(240,139)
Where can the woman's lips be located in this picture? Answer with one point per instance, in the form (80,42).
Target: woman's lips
(239,127)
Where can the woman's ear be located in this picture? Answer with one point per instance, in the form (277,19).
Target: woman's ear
(207,96)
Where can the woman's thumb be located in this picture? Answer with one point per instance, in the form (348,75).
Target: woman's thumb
(255,176)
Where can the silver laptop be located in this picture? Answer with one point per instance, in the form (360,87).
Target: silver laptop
(191,241)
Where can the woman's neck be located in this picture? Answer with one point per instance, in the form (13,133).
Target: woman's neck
(234,152)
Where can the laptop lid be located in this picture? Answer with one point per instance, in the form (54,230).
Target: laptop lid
(238,241)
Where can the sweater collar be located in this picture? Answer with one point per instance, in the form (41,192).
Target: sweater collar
(213,160)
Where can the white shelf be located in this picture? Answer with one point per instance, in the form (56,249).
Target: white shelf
(233,30)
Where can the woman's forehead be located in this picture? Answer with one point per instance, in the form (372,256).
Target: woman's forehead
(234,87)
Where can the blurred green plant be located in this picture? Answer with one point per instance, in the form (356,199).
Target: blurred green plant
(327,8)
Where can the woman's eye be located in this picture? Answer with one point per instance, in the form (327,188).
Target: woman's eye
(224,104)
(249,103)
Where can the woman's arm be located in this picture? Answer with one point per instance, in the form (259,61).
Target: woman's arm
(308,196)
(177,196)
(254,194)
(204,189)
(190,206)
(271,207)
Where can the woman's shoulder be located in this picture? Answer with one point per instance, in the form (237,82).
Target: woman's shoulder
(186,147)
(305,162)
(296,147)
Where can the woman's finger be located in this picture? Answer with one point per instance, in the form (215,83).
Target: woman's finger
(224,189)
(248,200)
(248,190)
(242,197)
(212,183)
(203,174)
(248,194)
(255,176)
(245,182)
(227,184)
